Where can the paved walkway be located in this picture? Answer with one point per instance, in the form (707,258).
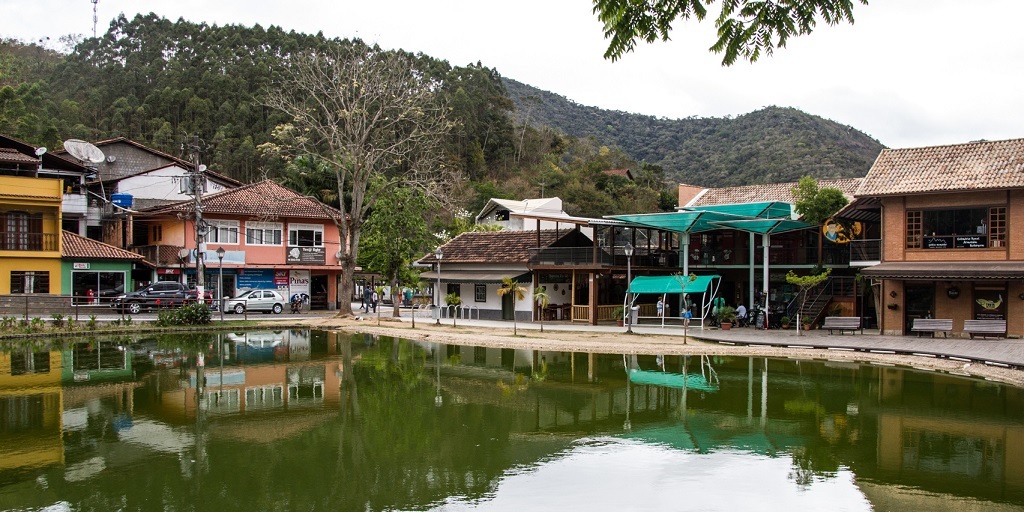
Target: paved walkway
(995,351)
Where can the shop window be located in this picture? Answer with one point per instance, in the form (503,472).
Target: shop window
(480,293)
(90,287)
(956,228)
(997,226)
(32,281)
(914,229)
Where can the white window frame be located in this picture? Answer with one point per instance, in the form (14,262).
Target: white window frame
(264,228)
(317,229)
(222,232)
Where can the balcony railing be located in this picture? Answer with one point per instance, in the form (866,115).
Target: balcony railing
(866,250)
(21,241)
(569,256)
(162,255)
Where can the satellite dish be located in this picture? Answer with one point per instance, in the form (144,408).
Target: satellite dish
(40,151)
(83,151)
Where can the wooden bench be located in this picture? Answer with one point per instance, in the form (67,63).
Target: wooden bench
(985,328)
(842,323)
(932,325)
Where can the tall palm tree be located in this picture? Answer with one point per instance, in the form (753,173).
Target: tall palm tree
(509,285)
(540,296)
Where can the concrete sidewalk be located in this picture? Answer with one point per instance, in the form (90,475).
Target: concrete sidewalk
(993,351)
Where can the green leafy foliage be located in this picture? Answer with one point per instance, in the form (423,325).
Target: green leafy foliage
(817,205)
(746,28)
(158,82)
(192,313)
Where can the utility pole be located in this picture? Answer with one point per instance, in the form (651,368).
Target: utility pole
(198,180)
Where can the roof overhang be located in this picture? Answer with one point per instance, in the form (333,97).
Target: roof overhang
(475,277)
(946,270)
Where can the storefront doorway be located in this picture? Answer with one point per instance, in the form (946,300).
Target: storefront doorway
(920,303)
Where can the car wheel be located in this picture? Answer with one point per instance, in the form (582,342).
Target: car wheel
(239,309)
(134,308)
(278,309)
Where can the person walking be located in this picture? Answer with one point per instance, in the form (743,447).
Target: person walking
(367,299)
(373,300)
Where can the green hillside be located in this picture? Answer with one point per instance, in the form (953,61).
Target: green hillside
(773,144)
(160,82)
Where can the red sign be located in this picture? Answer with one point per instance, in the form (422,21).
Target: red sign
(281,277)
(166,271)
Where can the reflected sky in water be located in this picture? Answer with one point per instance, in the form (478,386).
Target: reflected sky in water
(323,421)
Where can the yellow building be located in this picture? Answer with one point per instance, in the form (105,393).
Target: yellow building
(30,228)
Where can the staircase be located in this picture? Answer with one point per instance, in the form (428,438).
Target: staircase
(819,297)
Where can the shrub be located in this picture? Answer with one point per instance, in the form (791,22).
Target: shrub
(58,320)
(193,313)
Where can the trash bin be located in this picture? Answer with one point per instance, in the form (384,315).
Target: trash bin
(634,314)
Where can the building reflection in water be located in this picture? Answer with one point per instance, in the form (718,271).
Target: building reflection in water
(451,420)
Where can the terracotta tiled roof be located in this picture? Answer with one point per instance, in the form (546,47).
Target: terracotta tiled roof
(265,199)
(769,192)
(625,173)
(77,247)
(971,166)
(13,156)
(493,246)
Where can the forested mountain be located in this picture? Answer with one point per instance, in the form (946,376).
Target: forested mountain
(159,82)
(770,145)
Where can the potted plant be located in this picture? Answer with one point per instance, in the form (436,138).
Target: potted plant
(726,316)
(807,321)
(617,315)
(785,321)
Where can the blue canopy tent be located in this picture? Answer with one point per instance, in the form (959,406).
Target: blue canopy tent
(706,286)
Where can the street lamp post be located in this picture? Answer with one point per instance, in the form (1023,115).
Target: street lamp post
(220,284)
(628,248)
(437,294)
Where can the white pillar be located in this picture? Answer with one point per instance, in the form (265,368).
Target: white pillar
(766,239)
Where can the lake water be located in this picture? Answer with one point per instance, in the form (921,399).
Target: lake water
(300,420)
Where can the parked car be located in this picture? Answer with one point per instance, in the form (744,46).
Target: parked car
(164,294)
(256,300)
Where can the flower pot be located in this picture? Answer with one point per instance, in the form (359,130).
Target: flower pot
(785,326)
(807,327)
(620,323)
(726,326)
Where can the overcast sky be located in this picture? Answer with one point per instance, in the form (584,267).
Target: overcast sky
(908,72)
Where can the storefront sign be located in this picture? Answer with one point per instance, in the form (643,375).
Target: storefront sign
(956,242)
(298,284)
(989,303)
(281,278)
(255,278)
(310,255)
(970,242)
(168,271)
(81,266)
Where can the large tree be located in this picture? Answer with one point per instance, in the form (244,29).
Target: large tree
(372,116)
(746,28)
(394,235)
